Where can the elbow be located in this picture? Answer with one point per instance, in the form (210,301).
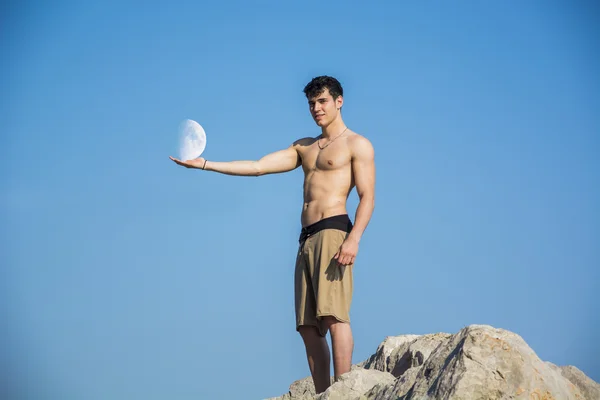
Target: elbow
(368,198)
(257,170)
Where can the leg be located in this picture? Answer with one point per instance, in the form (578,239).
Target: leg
(342,343)
(317,353)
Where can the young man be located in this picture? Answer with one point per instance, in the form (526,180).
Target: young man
(334,163)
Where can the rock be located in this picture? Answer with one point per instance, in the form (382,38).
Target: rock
(284,397)
(302,389)
(589,388)
(481,362)
(399,388)
(379,360)
(349,386)
(352,385)
(414,353)
(477,363)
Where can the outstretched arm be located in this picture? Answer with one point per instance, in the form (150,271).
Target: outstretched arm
(277,162)
(363,169)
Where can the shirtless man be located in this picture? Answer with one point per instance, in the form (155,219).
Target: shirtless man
(333,163)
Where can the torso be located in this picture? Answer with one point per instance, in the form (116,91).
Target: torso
(328,177)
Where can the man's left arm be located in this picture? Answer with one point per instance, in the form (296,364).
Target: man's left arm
(363,170)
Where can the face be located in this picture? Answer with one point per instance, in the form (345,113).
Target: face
(324,109)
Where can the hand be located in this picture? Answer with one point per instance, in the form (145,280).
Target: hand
(195,163)
(347,252)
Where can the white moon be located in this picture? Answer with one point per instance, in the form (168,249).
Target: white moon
(192,140)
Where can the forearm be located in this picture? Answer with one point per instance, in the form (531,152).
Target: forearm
(363,216)
(239,168)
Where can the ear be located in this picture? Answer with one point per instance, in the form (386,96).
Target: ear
(339,102)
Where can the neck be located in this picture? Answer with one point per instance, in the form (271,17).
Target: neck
(334,128)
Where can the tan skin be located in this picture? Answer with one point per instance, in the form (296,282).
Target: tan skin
(334,163)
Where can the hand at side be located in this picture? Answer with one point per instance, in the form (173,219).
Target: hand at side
(347,252)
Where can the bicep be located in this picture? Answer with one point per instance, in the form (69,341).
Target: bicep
(363,167)
(279,161)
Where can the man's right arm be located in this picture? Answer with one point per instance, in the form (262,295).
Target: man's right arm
(277,162)
(274,163)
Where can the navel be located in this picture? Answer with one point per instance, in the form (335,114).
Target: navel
(329,162)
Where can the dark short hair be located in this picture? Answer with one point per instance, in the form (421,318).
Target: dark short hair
(320,83)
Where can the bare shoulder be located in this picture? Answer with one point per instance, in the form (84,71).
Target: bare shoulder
(301,144)
(306,141)
(360,146)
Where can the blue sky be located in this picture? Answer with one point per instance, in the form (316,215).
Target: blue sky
(125,276)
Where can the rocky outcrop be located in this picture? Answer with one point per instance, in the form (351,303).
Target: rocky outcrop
(379,360)
(589,388)
(477,363)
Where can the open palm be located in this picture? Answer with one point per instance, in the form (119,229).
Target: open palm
(195,163)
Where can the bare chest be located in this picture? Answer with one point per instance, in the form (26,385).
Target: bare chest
(334,157)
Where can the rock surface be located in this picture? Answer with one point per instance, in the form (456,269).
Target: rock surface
(589,388)
(354,384)
(478,362)
(379,360)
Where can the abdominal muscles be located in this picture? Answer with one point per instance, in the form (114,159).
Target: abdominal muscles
(325,194)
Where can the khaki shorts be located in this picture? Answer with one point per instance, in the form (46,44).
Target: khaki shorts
(322,288)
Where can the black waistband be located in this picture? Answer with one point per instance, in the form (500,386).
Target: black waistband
(340,222)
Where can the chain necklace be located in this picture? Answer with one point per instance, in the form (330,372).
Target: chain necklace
(331,141)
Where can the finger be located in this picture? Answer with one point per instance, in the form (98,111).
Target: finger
(336,255)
